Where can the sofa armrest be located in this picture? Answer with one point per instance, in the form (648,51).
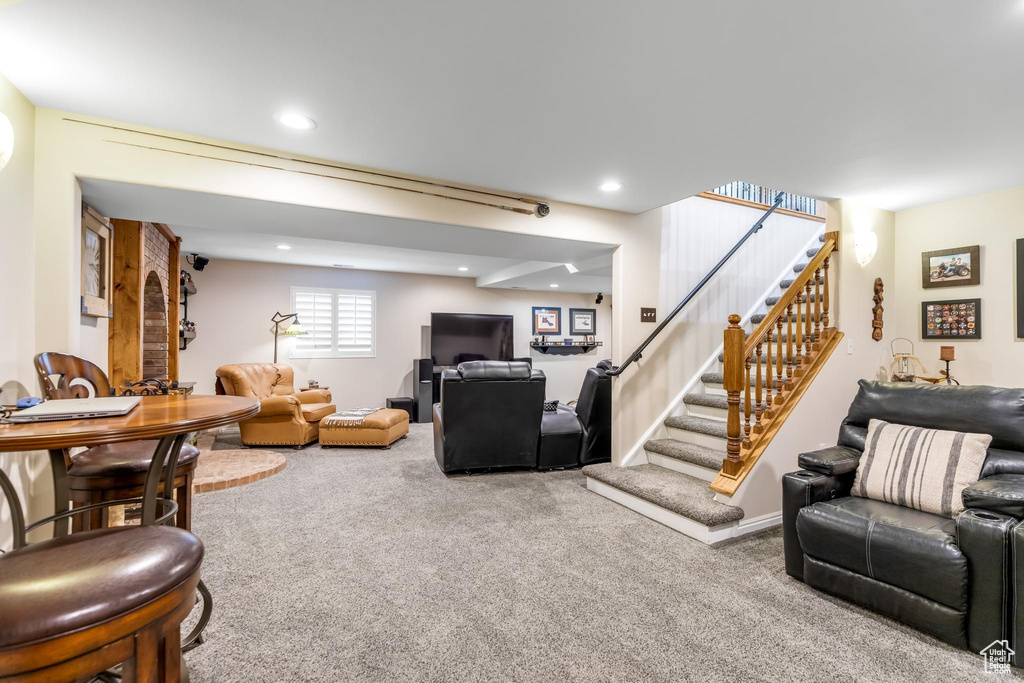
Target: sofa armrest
(314,396)
(832,460)
(984,539)
(799,490)
(1002,493)
(280,405)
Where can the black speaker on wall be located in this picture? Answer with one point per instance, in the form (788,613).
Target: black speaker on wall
(423,389)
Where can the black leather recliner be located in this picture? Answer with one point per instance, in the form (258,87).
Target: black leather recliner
(489,416)
(951,578)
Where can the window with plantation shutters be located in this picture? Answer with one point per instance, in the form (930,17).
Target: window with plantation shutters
(339,323)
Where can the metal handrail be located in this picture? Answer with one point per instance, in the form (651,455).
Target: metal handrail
(638,354)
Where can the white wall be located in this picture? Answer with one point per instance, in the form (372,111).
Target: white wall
(995,221)
(236,299)
(29,471)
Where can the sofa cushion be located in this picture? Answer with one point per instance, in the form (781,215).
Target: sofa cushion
(316,411)
(925,469)
(1003,493)
(906,548)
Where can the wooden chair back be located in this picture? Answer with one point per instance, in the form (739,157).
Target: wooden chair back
(75,376)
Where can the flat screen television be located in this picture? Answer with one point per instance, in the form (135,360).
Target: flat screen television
(459,337)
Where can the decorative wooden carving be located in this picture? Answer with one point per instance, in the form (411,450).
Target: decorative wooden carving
(876,321)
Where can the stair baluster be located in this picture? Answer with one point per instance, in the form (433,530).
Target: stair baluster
(808,339)
(746,403)
(789,346)
(824,303)
(778,361)
(732,381)
(770,366)
(799,358)
(758,405)
(817,306)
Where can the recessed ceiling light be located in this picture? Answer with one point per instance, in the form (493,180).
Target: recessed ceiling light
(295,120)
(463,268)
(284,246)
(610,186)
(571,268)
(553,284)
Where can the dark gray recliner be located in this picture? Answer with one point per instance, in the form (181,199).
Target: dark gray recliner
(489,416)
(580,434)
(951,578)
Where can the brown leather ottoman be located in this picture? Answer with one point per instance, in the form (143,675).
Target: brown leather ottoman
(381,428)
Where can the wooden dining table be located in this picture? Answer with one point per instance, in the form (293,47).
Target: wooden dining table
(169,419)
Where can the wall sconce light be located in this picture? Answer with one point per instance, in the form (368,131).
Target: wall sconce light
(865,245)
(6,140)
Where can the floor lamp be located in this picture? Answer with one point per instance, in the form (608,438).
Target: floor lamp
(294,328)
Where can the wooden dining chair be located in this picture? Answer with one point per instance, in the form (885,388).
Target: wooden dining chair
(112,471)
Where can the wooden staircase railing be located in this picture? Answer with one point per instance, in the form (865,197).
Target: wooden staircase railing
(767,372)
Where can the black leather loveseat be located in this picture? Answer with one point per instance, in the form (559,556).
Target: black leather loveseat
(952,578)
(489,416)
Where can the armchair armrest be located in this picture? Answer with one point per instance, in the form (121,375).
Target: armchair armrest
(800,490)
(1002,493)
(984,539)
(314,396)
(832,461)
(280,405)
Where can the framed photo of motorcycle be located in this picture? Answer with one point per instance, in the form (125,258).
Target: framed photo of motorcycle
(951,267)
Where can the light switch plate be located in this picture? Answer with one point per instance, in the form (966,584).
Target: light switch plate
(648,315)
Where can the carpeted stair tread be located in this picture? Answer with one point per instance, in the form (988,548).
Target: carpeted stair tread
(811,253)
(719,378)
(764,359)
(772,300)
(707,400)
(668,489)
(687,452)
(821,238)
(799,268)
(699,425)
(757,318)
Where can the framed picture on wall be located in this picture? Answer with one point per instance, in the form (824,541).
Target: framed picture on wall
(96,256)
(951,267)
(582,320)
(547,320)
(948,319)
(1020,289)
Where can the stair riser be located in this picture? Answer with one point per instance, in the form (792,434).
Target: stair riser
(716,389)
(697,438)
(710,413)
(681,466)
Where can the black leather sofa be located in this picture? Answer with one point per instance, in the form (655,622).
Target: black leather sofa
(952,578)
(572,436)
(489,416)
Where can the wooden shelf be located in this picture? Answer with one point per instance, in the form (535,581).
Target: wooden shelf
(184,337)
(565,349)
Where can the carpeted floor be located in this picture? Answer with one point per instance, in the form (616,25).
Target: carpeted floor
(371,565)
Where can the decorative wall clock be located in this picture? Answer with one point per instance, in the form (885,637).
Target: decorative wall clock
(96,257)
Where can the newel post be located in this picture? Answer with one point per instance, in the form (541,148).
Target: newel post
(733,377)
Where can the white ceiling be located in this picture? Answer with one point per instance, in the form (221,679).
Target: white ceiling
(893,103)
(223,227)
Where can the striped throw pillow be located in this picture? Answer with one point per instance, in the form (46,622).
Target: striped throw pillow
(924,469)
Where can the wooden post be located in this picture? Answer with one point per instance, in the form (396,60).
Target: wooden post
(732,381)
(124,331)
(173,303)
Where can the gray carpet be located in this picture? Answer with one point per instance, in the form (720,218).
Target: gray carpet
(371,565)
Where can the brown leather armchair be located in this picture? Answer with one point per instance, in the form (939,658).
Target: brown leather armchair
(286,417)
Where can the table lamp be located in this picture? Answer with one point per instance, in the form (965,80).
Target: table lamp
(294,328)
(947,355)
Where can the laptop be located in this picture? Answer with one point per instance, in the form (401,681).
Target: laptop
(77,409)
